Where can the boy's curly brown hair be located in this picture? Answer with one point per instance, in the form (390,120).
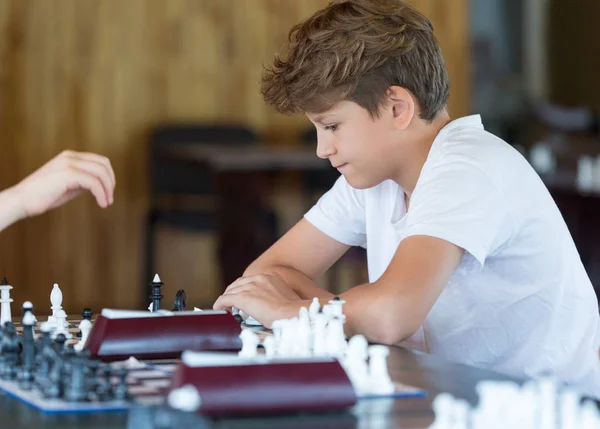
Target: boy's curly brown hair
(355,50)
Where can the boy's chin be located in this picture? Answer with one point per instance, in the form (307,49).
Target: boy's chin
(361,182)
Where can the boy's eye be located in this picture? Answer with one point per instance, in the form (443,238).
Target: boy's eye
(331,127)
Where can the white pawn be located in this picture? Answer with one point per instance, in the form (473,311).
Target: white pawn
(56,298)
(314,308)
(336,339)
(320,335)
(337,307)
(355,363)
(5,300)
(303,336)
(443,408)
(379,379)
(249,344)
(569,409)
(85,326)
(269,345)
(185,398)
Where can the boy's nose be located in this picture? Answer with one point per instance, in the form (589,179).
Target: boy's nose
(324,148)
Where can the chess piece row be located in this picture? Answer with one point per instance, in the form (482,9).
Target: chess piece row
(156,296)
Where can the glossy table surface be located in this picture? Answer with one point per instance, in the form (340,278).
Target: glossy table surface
(408,367)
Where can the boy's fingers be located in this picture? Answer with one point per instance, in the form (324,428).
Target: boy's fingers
(242,281)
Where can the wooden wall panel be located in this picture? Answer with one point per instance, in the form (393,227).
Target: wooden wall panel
(95,75)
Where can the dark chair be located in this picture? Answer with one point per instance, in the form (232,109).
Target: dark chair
(182,194)
(316,184)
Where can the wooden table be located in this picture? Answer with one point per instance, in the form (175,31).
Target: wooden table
(409,367)
(244,177)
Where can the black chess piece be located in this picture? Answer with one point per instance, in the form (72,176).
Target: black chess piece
(26,374)
(120,392)
(59,342)
(77,388)
(45,353)
(54,387)
(180,300)
(4,281)
(87,314)
(11,349)
(105,390)
(156,295)
(238,318)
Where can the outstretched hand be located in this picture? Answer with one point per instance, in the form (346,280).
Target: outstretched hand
(63,178)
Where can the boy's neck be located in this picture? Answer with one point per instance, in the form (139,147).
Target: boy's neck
(410,166)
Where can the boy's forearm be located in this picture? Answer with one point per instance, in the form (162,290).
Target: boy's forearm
(301,284)
(10,211)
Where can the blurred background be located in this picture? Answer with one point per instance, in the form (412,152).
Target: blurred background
(207,175)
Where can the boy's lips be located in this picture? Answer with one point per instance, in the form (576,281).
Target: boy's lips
(340,165)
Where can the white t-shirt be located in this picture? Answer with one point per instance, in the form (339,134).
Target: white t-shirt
(520,301)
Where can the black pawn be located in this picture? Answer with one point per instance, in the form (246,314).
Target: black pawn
(120,392)
(60,341)
(180,300)
(105,389)
(238,318)
(4,281)
(87,314)
(26,375)
(76,390)
(156,295)
(11,349)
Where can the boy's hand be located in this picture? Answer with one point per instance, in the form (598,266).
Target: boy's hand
(266,297)
(63,178)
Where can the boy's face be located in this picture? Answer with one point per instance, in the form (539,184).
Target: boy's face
(355,143)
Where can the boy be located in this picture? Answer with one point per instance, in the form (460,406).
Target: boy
(58,181)
(468,256)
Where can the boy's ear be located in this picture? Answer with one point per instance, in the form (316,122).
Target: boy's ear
(402,106)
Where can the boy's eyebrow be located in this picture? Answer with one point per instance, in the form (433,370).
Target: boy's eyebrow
(319,118)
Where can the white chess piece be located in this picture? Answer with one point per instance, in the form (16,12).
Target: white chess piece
(56,299)
(185,398)
(443,408)
(336,339)
(269,345)
(355,363)
(379,379)
(60,324)
(5,300)
(569,410)
(320,335)
(249,344)
(304,336)
(277,333)
(314,308)
(85,326)
(548,397)
(337,308)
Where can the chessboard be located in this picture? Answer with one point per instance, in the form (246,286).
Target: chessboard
(72,329)
(147,384)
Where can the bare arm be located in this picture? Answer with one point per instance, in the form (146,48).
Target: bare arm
(299,257)
(393,308)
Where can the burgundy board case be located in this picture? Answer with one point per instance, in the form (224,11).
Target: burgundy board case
(162,337)
(274,387)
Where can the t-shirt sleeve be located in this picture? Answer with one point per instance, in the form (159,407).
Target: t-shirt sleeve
(340,213)
(456,200)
